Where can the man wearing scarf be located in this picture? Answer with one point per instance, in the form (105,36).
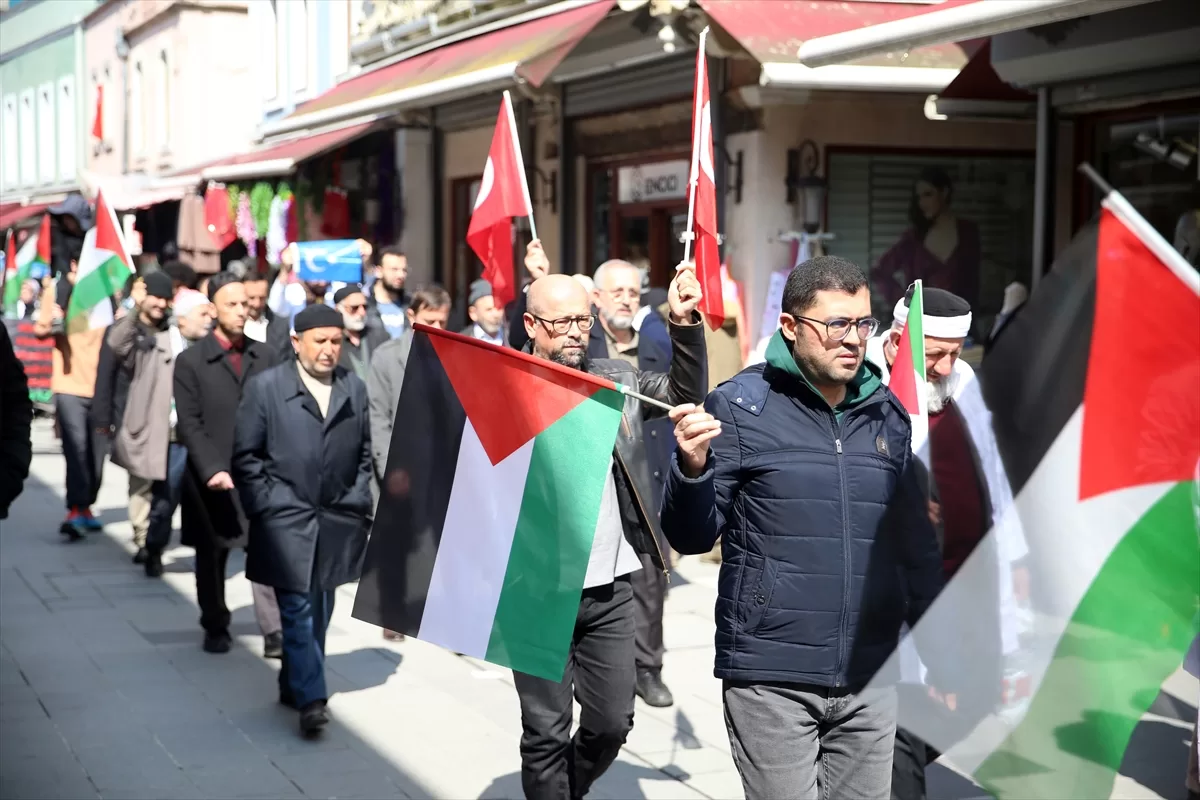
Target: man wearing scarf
(968,494)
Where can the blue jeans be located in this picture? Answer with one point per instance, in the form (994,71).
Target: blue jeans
(305,617)
(164,498)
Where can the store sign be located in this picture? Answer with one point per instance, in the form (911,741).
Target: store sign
(648,183)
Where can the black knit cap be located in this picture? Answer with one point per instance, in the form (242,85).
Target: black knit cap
(939,302)
(318,315)
(344,292)
(159,284)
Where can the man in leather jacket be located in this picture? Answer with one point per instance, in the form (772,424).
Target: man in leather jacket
(600,672)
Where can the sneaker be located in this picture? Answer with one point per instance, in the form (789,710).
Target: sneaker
(73,527)
(273,645)
(652,690)
(153,564)
(90,523)
(141,555)
(313,718)
(219,642)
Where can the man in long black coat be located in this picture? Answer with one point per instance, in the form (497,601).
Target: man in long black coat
(302,466)
(209,379)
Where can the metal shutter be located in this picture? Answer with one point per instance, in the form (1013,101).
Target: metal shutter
(868,203)
(473,112)
(643,85)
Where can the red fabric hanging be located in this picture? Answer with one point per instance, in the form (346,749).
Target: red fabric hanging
(335,217)
(217,217)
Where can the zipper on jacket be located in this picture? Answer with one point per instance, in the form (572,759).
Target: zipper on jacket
(842,620)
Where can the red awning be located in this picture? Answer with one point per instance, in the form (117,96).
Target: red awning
(772,32)
(13,213)
(527,50)
(280,158)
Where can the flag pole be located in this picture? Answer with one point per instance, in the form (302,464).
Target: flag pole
(512,122)
(1115,202)
(690,235)
(625,390)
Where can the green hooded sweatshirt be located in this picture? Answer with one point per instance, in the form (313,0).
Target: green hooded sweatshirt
(864,384)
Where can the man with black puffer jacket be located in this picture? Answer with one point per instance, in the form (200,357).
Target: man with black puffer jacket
(803,465)
(16,419)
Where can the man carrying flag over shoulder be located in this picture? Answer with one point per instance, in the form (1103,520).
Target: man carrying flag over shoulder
(968,495)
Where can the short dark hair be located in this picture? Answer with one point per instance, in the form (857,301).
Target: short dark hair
(181,273)
(168,252)
(219,281)
(254,276)
(391,250)
(431,296)
(820,274)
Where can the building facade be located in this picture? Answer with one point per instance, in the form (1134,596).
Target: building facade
(41,107)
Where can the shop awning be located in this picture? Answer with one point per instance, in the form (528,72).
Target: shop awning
(773,31)
(14,213)
(280,158)
(979,93)
(527,50)
(132,192)
(950,21)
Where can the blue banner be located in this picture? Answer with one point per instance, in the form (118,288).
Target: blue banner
(336,260)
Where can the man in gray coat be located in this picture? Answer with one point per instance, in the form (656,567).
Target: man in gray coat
(429,305)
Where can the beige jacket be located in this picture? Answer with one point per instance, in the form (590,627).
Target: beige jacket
(144,437)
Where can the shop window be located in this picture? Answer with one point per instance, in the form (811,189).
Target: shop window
(66,128)
(28,139)
(962,223)
(10,142)
(1153,162)
(636,213)
(46,139)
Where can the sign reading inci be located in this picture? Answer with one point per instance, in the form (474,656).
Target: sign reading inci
(648,183)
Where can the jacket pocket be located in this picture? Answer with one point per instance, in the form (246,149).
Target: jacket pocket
(757,590)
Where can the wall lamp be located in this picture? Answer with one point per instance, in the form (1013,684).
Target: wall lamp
(802,179)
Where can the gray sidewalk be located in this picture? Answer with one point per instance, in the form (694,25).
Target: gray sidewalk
(105,692)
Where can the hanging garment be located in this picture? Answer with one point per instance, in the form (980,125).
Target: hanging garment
(216,216)
(196,245)
(276,232)
(245,226)
(335,216)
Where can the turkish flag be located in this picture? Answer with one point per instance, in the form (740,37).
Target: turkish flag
(98,122)
(707,253)
(501,197)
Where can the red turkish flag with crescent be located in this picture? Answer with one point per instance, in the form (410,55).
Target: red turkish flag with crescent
(98,121)
(500,199)
(707,253)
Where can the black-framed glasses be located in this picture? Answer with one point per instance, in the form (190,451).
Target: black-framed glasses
(838,328)
(562,325)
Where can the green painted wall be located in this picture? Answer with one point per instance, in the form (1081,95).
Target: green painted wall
(33,19)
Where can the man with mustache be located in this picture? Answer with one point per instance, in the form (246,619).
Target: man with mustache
(600,671)
(968,495)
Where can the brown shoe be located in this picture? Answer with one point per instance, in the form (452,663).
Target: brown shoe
(392,636)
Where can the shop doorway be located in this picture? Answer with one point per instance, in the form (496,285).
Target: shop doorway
(638,212)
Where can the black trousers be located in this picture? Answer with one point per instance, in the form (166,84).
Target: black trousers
(600,675)
(210,586)
(84,459)
(909,760)
(649,595)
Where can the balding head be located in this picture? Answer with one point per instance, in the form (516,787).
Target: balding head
(558,320)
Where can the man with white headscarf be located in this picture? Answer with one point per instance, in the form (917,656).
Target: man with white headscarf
(969,495)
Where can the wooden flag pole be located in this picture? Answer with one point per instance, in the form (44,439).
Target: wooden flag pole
(690,235)
(512,122)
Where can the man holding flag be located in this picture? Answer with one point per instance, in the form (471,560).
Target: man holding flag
(804,466)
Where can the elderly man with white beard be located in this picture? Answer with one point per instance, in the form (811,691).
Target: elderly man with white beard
(969,495)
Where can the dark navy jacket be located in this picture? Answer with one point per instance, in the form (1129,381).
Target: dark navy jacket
(827,542)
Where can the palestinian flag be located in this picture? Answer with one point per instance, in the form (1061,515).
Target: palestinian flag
(33,258)
(491,497)
(104,265)
(1093,388)
(908,372)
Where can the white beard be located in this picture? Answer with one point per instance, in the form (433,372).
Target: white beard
(941,393)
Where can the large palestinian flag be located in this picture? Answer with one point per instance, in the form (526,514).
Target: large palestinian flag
(490,501)
(104,265)
(1094,389)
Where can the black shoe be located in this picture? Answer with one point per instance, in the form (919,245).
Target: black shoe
(153,564)
(70,530)
(313,718)
(273,645)
(217,642)
(140,556)
(287,700)
(651,689)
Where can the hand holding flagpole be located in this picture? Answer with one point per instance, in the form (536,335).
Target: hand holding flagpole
(512,120)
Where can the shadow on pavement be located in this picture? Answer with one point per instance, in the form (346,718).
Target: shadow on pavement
(622,780)
(106,691)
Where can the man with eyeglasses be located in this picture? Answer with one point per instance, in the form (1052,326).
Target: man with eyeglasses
(363,337)
(617,298)
(600,672)
(804,465)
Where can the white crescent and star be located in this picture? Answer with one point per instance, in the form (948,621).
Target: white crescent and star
(485,183)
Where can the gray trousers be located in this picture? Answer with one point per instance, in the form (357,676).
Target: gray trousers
(806,742)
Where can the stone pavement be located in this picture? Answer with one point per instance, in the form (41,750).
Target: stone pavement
(105,692)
